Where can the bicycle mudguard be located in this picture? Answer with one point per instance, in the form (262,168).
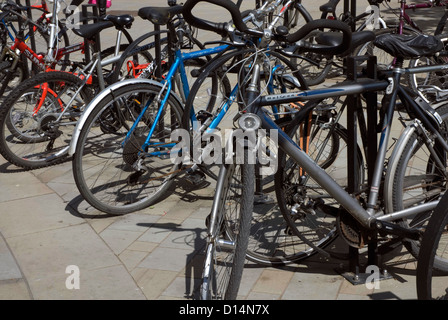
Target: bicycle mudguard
(401,143)
(91,106)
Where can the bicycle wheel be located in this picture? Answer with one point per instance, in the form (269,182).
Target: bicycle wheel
(228,232)
(417,178)
(431,283)
(310,214)
(38,117)
(113,168)
(431,85)
(279,78)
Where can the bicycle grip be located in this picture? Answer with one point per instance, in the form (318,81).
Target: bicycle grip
(324,24)
(214,26)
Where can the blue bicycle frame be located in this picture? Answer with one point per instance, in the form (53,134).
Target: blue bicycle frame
(178,66)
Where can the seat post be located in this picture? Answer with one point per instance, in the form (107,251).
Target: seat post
(158,51)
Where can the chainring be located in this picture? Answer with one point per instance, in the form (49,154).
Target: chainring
(354,234)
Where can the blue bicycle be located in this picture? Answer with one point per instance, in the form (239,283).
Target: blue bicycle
(123,144)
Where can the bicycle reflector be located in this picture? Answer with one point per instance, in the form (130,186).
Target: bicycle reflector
(249,122)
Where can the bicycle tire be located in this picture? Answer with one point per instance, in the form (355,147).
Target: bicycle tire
(117,186)
(416,179)
(223,266)
(33,138)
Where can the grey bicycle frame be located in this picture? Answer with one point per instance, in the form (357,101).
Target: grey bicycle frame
(367,217)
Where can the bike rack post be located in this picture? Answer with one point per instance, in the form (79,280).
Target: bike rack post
(84,18)
(350,6)
(356,120)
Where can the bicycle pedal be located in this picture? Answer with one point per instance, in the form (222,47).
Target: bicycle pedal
(195,177)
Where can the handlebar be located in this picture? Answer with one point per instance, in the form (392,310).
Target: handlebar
(214,26)
(224,28)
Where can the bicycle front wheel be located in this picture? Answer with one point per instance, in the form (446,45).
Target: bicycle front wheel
(432,283)
(116,168)
(229,226)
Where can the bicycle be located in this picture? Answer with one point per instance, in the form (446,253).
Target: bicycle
(431,283)
(55,57)
(37,118)
(36,37)
(362,219)
(145,171)
(431,86)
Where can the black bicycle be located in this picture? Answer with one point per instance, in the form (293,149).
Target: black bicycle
(356,212)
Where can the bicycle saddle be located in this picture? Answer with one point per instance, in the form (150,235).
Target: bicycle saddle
(90,30)
(329,7)
(124,20)
(409,47)
(334,39)
(159,15)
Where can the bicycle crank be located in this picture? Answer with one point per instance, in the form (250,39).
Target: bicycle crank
(352,232)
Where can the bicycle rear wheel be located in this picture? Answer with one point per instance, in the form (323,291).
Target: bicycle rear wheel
(38,117)
(310,213)
(114,170)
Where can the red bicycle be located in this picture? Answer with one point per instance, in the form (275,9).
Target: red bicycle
(50,55)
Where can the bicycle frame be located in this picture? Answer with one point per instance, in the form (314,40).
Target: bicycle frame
(38,59)
(178,66)
(167,85)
